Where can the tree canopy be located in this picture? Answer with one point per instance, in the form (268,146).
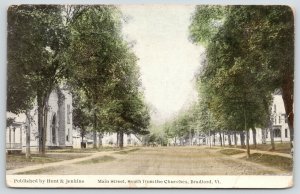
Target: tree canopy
(82,47)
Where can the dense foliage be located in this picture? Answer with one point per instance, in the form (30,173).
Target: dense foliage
(249,55)
(81,47)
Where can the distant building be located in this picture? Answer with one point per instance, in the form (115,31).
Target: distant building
(109,139)
(59,124)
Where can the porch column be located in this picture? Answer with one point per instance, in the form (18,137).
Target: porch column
(14,135)
(21,136)
(9,136)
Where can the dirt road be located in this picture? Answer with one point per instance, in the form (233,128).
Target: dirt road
(163,161)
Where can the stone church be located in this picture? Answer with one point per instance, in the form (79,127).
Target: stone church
(59,124)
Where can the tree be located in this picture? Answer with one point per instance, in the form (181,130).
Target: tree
(263,40)
(235,74)
(37,39)
(133,113)
(81,115)
(95,37)
(104,68)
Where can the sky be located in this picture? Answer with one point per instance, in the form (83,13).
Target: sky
(168,60)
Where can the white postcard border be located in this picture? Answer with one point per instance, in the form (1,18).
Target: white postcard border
(147,181)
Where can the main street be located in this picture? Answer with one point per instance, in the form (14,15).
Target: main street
(157,161)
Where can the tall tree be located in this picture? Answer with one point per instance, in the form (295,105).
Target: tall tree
(264,33)
(243,66)
(81,116)
(104,68)
(36,41)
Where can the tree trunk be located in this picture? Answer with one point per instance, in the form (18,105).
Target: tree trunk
(40,127)
(247,133)
(100,139)
(94,139)
(81,144)
(175,141)
(287,96)
(254,137)
(42,122)
(264,135)
(220,138)
(82,134)
(229,139)
(45,128)
(95,131)
(248,145)
(121,141)
(223,137)
(209,138)
(190,138)
(28,155)
(235,139)
(272,138)
(242,137)
(214,139)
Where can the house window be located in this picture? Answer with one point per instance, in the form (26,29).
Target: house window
(68,114)
(277,133)
(286,133)
(279,119)
(68,135)
(274,108)
(285,119)
(275,120)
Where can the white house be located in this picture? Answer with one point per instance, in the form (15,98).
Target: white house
(279,121)
(59,124)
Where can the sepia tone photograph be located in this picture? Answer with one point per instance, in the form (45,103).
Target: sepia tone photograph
(150,96)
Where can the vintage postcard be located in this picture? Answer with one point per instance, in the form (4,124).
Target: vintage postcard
(150,96)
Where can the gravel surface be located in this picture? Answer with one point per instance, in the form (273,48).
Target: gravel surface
(167,161)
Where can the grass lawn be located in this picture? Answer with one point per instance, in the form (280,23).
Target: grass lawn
(127,151)
(280,162)
(231,151)
(14,161)
(38,171)
(279,147)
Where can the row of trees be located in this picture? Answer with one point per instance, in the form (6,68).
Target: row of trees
(197,126)
(83,48)
(249,55)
